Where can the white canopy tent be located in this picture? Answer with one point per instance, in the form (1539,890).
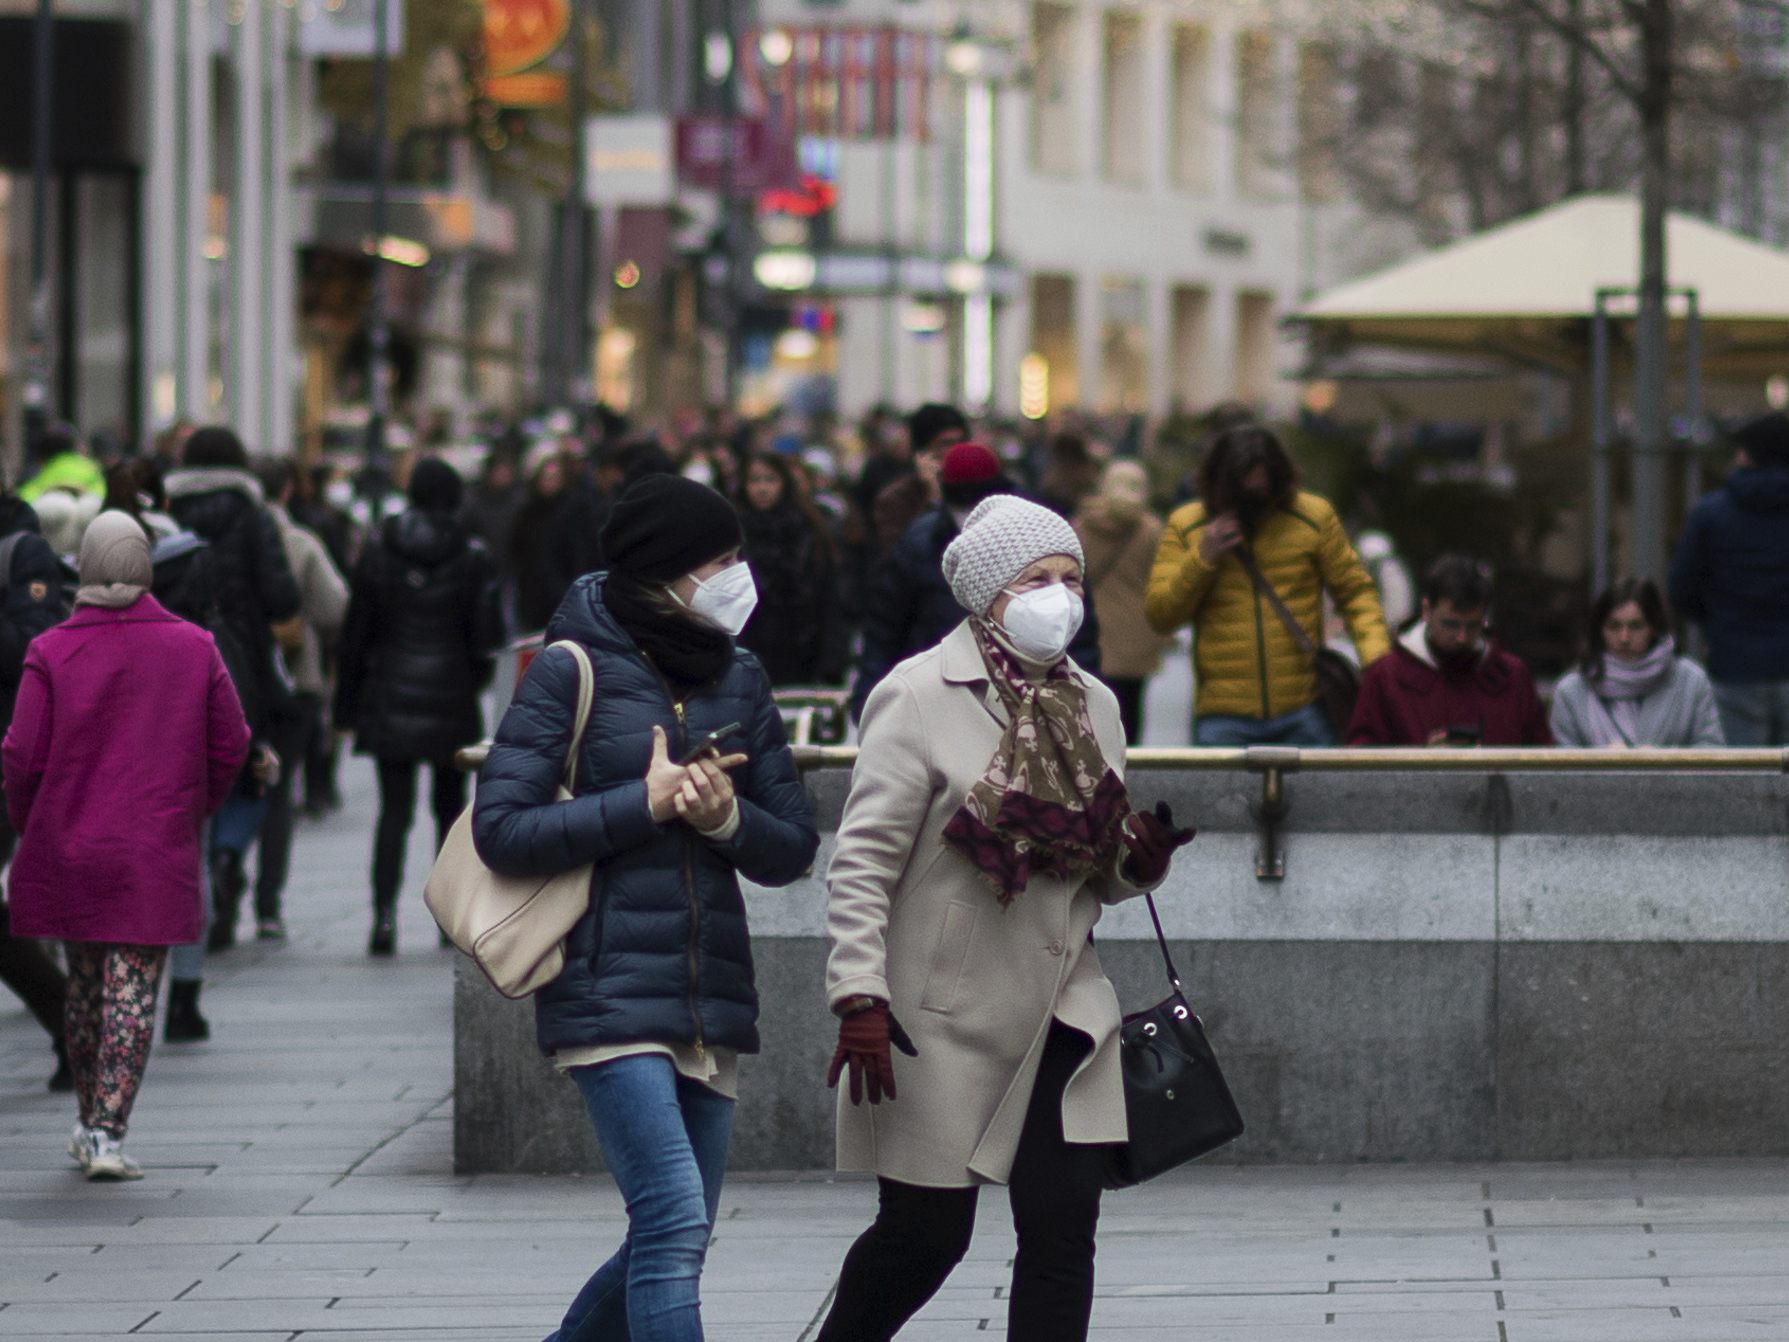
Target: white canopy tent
(1527,291)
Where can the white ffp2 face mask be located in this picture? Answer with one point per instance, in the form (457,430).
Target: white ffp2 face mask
(728,599)
(1041,624)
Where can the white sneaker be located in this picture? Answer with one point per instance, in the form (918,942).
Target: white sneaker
(106,1159)
(78,1141)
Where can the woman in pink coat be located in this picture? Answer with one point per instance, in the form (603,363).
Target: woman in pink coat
(126,736)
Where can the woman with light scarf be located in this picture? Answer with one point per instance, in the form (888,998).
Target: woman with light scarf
(987,826)
(1632,689)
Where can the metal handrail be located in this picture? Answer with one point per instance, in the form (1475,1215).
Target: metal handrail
(1393,759)
(1371,759)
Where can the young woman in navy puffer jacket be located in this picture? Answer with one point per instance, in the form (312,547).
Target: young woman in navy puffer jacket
(657,999)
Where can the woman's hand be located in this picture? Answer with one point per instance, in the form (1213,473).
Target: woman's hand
(664,780)
(864,1039)
(705,801)
(1152,840)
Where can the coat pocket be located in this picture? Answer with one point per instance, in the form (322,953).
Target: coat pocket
(946,971)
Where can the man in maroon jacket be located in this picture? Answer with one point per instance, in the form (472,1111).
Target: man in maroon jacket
(1446,682)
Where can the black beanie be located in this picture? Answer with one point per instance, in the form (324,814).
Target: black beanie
(435,487)
(664,526)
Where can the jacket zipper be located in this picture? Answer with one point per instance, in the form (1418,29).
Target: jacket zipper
(1261,658)
(689,885)
(689,874)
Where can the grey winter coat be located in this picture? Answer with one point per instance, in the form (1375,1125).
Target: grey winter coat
(1681,714)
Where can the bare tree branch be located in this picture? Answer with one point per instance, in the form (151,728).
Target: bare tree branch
(1576,35)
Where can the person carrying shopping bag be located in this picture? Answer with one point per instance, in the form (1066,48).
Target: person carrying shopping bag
(684,784)
(987,826)
(124,692)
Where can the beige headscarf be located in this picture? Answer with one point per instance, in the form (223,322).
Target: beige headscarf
(115,566)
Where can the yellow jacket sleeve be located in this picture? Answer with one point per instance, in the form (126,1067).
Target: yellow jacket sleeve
(1355,595)
(1179,580)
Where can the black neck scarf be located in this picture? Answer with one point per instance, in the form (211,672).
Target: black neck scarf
(688,652)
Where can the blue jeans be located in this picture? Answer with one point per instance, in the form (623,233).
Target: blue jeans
(1307,727)
(665,1138)
(1753,713)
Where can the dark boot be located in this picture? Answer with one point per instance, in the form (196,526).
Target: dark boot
(384,940)
(227,885)
(64,1079)
(185,1024)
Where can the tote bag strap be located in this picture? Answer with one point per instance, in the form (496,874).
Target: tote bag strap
(586,695)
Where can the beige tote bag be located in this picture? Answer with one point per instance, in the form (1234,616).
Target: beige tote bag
(513,927)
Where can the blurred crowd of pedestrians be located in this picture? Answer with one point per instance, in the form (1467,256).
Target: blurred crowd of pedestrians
(347,605)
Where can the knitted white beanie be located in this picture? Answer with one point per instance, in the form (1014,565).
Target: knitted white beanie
(1002,538)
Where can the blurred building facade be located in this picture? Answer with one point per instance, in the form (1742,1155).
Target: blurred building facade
(1093,203)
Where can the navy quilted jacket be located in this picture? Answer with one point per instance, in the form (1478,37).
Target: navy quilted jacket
(664,954)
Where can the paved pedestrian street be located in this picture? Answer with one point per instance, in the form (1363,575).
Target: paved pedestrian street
(300,1185)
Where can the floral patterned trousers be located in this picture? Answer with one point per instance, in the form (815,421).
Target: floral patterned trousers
(110,1025)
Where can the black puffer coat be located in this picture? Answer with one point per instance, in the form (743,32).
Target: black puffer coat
(255,588)
(424,618)
(32,596)
(663,954)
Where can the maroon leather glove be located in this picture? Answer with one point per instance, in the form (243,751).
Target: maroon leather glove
(1152,840)
(864,1039)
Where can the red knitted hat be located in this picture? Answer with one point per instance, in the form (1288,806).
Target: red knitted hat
(969,464)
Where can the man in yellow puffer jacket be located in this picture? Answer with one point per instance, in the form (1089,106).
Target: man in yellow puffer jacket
(1255,684)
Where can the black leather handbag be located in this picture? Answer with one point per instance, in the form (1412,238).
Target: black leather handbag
(1176,1101)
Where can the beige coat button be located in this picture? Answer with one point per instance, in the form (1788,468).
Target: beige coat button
(1055,948)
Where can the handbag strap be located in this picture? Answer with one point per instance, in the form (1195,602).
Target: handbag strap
(1162,941)
(586,696)
(1287,618)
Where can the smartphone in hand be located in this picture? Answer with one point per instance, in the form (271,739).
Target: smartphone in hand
(710,744)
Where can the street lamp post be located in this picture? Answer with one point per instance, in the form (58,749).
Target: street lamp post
(729,226)
(976,62)
(37,348)
(378,466)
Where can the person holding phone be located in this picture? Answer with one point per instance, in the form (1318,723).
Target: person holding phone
(1447,683)
(684,784)
(986,829)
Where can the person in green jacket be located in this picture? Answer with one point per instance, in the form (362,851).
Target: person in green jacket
(66,465)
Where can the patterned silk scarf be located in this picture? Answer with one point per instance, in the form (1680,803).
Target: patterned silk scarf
(1048,802)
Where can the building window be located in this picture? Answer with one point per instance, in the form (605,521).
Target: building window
(1256,347)
(1124,154)
(1054,152)
(1319,126)
(1192,114)
(1257,106)
(1124,346)
(1053,335)
(1190,311)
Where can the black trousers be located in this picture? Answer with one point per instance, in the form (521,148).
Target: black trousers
(1130,705)
(291,736)
(397,808)
(920,1234)
(25,966)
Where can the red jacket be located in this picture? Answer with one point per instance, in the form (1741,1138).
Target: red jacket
(1405,698)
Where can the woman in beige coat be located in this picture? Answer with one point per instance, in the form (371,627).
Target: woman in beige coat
(987,827)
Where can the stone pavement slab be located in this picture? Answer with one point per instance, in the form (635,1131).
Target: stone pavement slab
(300,1186)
